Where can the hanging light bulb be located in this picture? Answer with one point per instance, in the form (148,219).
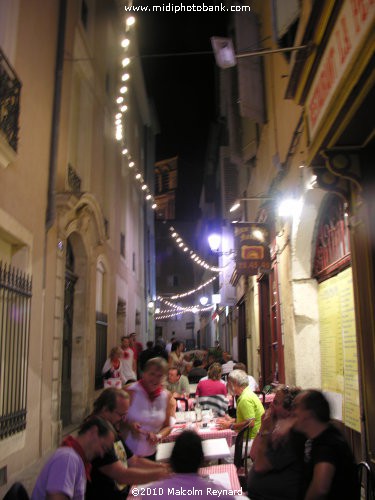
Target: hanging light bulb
(130,21)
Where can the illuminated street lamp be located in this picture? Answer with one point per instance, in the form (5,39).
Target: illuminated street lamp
(226,57)
(203,300)
(214,240)
(285,208)
(289,207)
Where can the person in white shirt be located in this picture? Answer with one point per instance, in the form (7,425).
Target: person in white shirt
(253,384)
(128,364)
(227,367)
(168,347)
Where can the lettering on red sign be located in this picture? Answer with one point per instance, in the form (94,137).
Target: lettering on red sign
(343,42)
(327,79)
(360,10)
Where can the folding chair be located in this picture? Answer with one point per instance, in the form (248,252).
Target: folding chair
(366,486)
(17,492)
(262,396)
(241,458)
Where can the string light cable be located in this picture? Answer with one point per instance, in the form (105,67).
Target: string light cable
(166,314)
(193,255)
(123,106)
(190,292)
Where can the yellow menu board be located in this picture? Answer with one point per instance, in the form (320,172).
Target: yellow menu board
(338,345)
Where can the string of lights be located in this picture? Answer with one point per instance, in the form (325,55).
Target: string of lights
(190,292)
(193,255)
(166,314)
(166,301)
(123,106)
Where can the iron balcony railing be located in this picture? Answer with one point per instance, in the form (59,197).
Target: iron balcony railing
(15,304)
(10,89)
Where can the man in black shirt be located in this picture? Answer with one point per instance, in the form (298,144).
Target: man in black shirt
(146,354)
(330,470)
(112,474)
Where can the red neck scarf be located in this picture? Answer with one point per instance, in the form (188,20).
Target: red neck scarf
(151,395)
(70,442)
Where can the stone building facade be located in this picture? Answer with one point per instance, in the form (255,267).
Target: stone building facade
(76,229)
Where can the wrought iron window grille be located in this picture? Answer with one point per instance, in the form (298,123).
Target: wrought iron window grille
(15,311)
(10,90)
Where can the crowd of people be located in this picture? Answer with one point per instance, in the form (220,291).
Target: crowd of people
(296,452)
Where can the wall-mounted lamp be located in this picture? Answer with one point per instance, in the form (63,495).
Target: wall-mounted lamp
(226,57)
(286,207)
(236,205)
(289,207)
(214,240)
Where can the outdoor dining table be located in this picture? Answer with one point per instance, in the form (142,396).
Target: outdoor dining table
(213,449)
(225,475)
(209,432)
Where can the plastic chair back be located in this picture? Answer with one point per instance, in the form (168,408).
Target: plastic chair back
(366,484)
(238,447)
(262,396)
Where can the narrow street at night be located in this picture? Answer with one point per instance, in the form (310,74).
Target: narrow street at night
(187,249)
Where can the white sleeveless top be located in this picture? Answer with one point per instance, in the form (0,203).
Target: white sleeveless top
(150,414)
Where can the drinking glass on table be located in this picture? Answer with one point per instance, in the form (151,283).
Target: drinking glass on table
(189,420)
(205,419)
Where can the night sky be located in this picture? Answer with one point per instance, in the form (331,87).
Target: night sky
(183,90)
